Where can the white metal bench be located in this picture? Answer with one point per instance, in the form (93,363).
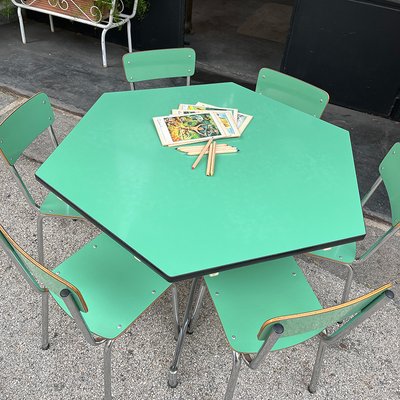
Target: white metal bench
(84,11)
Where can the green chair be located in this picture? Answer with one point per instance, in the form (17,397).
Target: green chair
(102,287)
(17,132)
(345,254)
(159,64)
(292,92)
(274,299)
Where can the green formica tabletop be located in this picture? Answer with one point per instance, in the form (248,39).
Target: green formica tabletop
(291,188)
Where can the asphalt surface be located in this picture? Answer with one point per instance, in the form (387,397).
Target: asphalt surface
(364,365)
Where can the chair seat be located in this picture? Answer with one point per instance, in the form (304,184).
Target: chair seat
(345,253)
(247,297)
(53,205)
(117,288)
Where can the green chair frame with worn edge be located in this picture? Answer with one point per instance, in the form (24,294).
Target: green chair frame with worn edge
(17,132)
(389,174)
(292,92)
(159,64)
(276,296)
(103,287)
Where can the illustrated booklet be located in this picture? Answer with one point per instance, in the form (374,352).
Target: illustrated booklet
(175,130)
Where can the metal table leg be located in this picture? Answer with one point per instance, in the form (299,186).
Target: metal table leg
(173,371)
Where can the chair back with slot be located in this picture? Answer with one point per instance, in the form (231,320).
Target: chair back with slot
(319,320)
(24,125)
(292,92)
(159,64)
(389,170)
(36,274)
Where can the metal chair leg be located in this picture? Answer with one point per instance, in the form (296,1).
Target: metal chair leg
(21,25)
(197,308)
(349,280)
(40,238)
(312,387)
(45,320)
(107,369)
(237,361)
(175,311)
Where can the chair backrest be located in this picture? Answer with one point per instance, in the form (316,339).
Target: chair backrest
(36,272)
(292,92)
(389,170)
(159,64)
(23,125)
(296,324)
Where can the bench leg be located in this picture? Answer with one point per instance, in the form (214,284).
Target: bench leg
(128,31)
(103,47)
(21,25)
(51,23)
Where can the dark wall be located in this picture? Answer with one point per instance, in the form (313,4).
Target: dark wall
(349,48)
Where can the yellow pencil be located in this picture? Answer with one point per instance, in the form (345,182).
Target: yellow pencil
(213,149)
(186,149)
(218,151)
(202,152)
(209,161)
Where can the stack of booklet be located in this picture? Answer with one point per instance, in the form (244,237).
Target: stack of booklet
(199,122)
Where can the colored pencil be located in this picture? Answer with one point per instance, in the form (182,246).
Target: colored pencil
(218,151)
(201,154)
(186,149)
(213,149)
(209,161)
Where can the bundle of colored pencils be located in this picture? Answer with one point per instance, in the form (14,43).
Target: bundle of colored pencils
(211,148)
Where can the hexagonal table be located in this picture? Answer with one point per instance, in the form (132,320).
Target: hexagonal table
(291,188)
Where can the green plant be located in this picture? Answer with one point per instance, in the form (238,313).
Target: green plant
(141,9)
(7,9)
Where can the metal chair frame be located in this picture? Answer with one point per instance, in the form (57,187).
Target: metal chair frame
(370,251)
(29,198)
(75,311)
(326,341)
